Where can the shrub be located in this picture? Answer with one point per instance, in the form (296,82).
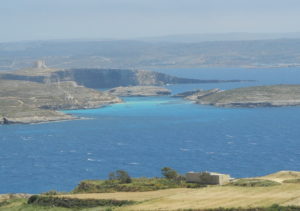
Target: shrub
(137,184)
(32,199)
(123,176)
(169,173)
(51,193)
(74,202)
(120,175)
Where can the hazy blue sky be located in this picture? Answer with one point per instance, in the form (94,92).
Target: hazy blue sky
(62,19)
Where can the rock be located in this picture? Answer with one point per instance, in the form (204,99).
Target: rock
(5,121)
(139,91)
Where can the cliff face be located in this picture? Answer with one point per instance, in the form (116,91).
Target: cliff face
(102,78)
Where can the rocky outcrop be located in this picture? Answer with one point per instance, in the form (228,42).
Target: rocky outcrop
(4,121)
(139,91)
(102,78)
(30,102)
(258,96)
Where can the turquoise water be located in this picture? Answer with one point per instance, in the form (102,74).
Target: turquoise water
(145,134)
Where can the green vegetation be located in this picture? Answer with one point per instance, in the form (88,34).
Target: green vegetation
(137,185)
(120,176)
(120,181)
(292,181)
(22,205)
(254,183)
(74,202)
(169,173)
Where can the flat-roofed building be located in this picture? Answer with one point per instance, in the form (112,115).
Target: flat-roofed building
(207,178)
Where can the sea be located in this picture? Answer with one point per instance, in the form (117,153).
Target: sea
(144,134)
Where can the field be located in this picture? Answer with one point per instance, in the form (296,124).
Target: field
(265,194)
(209,197)
(212,196)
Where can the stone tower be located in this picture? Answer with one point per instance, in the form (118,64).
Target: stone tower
(40,64)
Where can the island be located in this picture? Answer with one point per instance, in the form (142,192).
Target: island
(31,102)
(256,96)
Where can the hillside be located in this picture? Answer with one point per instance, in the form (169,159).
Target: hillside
(31,102)
(141,54)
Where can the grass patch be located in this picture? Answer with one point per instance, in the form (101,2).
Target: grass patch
(51,201)
(253,183)
(136,185)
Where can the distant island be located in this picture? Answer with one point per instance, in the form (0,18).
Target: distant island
(257,96)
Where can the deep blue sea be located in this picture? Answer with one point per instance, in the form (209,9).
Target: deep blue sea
(145,134)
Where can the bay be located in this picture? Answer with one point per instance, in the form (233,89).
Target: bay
(143,135)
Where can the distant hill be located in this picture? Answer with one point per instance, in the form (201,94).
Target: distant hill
(147,54)
(208,37)
(101,78)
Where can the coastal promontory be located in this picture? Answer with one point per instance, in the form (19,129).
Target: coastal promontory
(31,102)
(139,91)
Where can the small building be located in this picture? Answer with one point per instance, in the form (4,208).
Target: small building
(207,178)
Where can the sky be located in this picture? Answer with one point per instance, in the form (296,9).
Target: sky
(128,19)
